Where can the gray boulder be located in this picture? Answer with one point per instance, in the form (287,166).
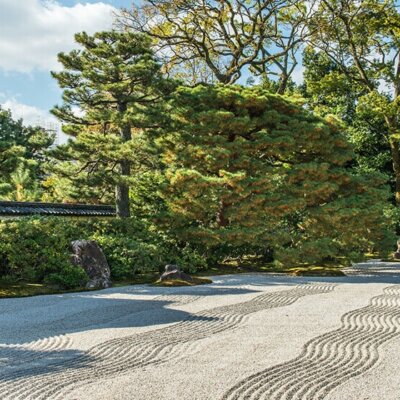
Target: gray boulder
(397,253)
(173,272)
(89,255)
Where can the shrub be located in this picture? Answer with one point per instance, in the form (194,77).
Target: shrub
(247,170)
(33,248)
(37,249)
(69,277)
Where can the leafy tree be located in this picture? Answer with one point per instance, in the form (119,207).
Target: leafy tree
(22,153)
(111,87)
(329,91)
(362,39)
(208,41)
(250,169)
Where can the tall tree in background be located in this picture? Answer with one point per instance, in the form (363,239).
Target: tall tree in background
(207,41)
(22,154)
(328,90)
(110,87)
(248,168)
(362,38)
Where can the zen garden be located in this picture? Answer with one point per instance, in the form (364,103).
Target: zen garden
(218,216)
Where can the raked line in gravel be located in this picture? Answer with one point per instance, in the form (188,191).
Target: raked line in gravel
(120,355)
(329,360)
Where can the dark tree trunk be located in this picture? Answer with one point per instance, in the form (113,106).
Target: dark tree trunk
(222,221)
(122,193)
(122,203)
(395,150)
(283,81)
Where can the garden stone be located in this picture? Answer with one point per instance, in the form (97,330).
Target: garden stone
(173,272)
(89,255)
(397,253)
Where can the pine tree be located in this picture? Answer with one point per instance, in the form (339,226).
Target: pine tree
(114,81)
(249,169)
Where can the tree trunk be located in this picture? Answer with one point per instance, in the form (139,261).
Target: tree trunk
(283,81)
(395,153)
(122,203)
(395,150)
(122,193)
(221,219)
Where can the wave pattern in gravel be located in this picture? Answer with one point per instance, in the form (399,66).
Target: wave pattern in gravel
(120,355)
(53,343)
(330,359)
(13,355)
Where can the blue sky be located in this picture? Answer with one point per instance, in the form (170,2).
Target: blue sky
(32,32)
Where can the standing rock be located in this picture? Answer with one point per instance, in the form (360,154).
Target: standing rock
(174,272)
(397,253)
(89,255)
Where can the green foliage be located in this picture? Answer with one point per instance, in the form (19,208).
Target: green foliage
(41,248)
(248,169)
(361,40)
(42,251)
(69,277)
(22,154)
(328,90)
(115,83)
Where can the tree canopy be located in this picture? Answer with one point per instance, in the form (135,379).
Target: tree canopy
(248,168)
(362,39)
(206,40)
(109,88)
(22,157)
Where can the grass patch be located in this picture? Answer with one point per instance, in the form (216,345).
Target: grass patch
(24,289)
(316,271)
(381,257)
(138,279)
(177,282)
(390,259)
(250,265)
(254,265)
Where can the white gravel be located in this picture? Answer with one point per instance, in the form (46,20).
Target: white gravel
(252,336)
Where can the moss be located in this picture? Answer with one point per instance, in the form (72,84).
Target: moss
(390,259)
(177,282)
(316,271)
(24,289)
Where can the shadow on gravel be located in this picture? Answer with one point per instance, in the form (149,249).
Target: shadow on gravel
(16,363)
(87,313)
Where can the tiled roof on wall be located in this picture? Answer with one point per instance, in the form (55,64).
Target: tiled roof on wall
(16,208)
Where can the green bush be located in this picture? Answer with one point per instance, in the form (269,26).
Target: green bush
(68,277)
(37,249)
(33,248)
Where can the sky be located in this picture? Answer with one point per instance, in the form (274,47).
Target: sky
(32,32)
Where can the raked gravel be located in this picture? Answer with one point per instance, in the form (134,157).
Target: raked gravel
(253,336)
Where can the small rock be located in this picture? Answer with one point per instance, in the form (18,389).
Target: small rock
(174,272)
(89,255)
(397,253)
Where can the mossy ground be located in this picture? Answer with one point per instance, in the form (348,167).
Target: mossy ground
(24,289)
(177,282)
(382,257)
(316,271)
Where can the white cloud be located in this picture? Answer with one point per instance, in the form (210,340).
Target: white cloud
(32,32)
(32,116)
(298,74)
